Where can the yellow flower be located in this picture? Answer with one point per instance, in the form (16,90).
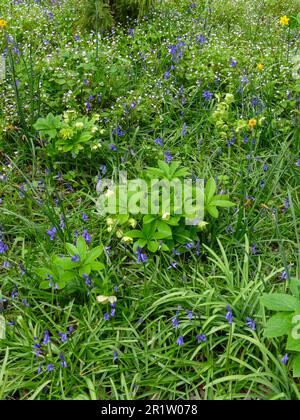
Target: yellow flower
(3,24)
(260,66)
(252,123)
(284,20)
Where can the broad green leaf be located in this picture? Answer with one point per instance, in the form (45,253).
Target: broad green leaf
(81,247)
(164,229)
(86,269)
(94,254)
(221,203)
(280,302)
(44,272)
(152,246)
(213,211)
(135,234)
(210,190)
(279,325)
(72,250)
(97,266)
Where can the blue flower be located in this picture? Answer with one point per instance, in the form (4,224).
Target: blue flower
(142,258)
(106,316)
(50,367)
(3,247)
(46,339)
(201,338)
(75,258)
(63,337)
(51,233)
(229,316)
(86,236)
(207,95)
(175,322)
(285,359)
(251,323)
(180,341)
(168,157)
(159,142)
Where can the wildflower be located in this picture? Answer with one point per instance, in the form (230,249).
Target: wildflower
(266,167)
(113,147)
(201,338)
(3,247)
(252,123)
(63,337)
(180,341)
(254,249)
(132,222)
(106,316)
(166,216)
(233,63)
(175,322)
(173,265)
(229,316)
(142,258)
(284,275)
(63,360)
(285,359)
(284,20)
(260,66)
(190,314)
(115,357)
(25,303)
(84,217)
(298,163)
(75,258)
(86,236)
(207,95)
(46,339)
(50,367)
(127,239)
(189,245)
(3,24)
(251,323)
(159,141)
(168,157)
(51,233)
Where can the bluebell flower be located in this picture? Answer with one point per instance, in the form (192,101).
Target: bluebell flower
(106,316)
(201,338)
(50,367)
(115,357)
(207,95)
(229,315)
(180,341)
(189,314)
(46,339)
(159,141)
(285,359)
(63,337)
(86,236)
(233,63)
(51,232)
(168,157)
(63,361)
(3,247)
(175,322)
(142,258)
(75,258)
(251,323)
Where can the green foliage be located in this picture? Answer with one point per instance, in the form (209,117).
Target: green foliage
(69,272)
(69,133)
(102,14)
(286,322)
(167,228)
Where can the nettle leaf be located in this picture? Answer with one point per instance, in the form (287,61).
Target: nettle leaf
(280,302)
(279,325)
(296,366)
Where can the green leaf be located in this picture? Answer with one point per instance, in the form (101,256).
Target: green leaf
(94,254)
(152,246)
(135,234)
(293,344)
(296,366)
(81,247)
(280,302)
(213,211)
(86,269)
(72,250)
(279,325)
(164,230)
(44,272)
(65,263)
(148,218)
(210,190)
(45,285)
(97,266)
(221,203)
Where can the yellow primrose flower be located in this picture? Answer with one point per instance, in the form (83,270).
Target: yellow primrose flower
(284,20)
(127,239)
(252,123)
(260,66)
(3,24)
